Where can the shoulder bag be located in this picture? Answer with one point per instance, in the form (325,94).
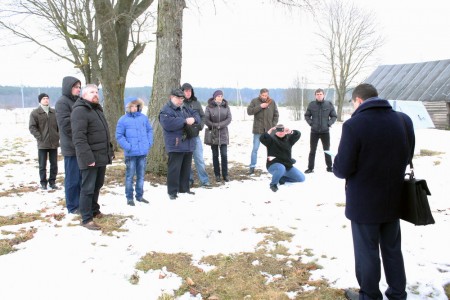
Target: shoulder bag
(415,192)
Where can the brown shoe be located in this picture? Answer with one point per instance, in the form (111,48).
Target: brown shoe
(91,226)
(99,215)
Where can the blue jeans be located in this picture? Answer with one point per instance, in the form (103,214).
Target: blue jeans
(256,144)
(135,166)
(72,183)
(368,239)
(199,163)
(279,172)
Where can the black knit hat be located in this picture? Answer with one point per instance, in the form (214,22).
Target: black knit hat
(42,95)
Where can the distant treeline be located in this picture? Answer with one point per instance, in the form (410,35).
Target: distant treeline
(14,97)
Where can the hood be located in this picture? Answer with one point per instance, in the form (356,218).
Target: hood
(127,102)
(67,84)
(188,86)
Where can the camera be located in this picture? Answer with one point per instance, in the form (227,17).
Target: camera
(280,129)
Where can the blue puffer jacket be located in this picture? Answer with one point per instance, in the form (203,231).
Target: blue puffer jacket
(134,132)
(172,119)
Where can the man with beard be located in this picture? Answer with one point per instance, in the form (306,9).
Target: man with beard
(94,152)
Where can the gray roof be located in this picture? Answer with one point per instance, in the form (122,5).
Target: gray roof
(426,81)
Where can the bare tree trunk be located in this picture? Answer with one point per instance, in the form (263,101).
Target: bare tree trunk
(167,74)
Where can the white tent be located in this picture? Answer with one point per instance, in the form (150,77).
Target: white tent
(415,110)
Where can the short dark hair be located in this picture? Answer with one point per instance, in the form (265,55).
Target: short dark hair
(319,91)
(263,91)
(364,91)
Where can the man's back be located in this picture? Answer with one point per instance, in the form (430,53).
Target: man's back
(372,157)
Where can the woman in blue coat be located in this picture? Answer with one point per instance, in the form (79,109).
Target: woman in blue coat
(135,135)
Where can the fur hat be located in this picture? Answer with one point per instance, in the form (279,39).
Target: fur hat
(42,95)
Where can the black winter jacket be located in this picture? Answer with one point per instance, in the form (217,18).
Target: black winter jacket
(280,148)
(63,109)
(90,135)
(320,116)
(193,104)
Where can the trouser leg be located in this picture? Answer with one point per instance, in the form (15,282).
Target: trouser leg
(224,159)
(394,268)
(42,158)
(366,241)
(216,164)
(186,163)
(53,158)
(313,140)
(174,163)
(325,139)
(72,182)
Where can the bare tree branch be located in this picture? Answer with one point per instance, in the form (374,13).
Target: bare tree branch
(349,39)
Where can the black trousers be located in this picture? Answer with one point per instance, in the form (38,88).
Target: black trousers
(178,171)
(92,180)
(52,156)
(223,159)
(313,141)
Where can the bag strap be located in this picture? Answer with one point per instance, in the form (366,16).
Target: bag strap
(411,166)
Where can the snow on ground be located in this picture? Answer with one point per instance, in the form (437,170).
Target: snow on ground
(67,261)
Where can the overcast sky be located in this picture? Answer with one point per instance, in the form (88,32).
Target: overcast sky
(256,44)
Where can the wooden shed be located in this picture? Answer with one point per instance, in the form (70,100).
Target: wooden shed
(428,82)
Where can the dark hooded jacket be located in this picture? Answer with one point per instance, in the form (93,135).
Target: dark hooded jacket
(63,110)
(90,135)
(193,103)
(280,148)
(218,117)
(372,157)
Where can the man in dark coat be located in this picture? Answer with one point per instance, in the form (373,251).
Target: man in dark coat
(191,101)
(44,128)
(71,88)
(377,144)
(174,116)
(279,141)
(320,115)
(94,152)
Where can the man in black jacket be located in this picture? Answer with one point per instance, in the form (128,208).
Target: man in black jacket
(279,155)
(320,115)
(71,88)
(93,149)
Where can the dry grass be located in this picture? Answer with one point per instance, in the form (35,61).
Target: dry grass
(263,274)
(425,152)
(23,235)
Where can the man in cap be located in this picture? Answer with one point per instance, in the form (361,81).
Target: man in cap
(174,116)
(44,128)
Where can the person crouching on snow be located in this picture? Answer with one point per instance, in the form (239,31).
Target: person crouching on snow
(279,141)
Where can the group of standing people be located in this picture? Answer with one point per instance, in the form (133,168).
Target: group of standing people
(372,162)
(79,125)
(181,111)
